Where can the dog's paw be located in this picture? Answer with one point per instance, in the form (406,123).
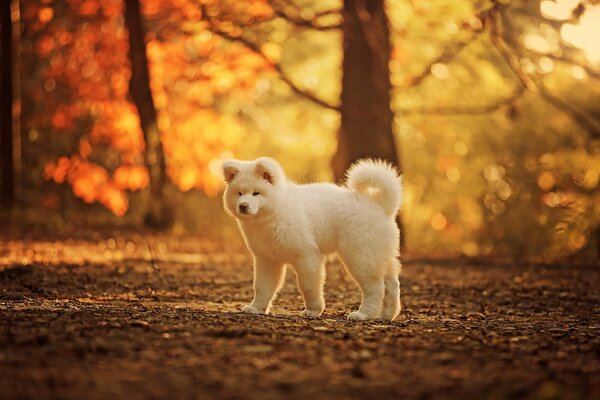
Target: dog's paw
(358,316)
(391,312)
(390,316)
(252,310)
(308,313)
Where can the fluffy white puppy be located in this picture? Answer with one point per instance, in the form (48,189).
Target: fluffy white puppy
(286,223)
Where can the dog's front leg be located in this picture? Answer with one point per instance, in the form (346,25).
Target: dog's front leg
(268,278)
(310,271)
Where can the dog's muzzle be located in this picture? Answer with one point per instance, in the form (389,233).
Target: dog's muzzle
(243,208)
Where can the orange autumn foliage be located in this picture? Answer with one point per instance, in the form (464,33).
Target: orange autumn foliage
(131,177)
(88,181)
(85,82)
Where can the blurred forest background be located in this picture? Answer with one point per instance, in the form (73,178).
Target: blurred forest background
(118,112)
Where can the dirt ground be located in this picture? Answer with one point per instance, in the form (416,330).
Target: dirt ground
(130,315)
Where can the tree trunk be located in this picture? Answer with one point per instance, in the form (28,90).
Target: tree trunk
(159,214)
(7,175)
(366,126)
(367,119)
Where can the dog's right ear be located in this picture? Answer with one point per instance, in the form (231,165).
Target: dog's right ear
(229,170)
(269,170)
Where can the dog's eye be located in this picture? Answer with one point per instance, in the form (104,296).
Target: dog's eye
(255,194)
(239,193)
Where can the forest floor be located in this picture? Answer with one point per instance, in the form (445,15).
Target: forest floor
(91,315)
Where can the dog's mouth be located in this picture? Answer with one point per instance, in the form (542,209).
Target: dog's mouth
(245,213)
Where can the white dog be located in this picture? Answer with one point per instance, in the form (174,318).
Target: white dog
(286,223)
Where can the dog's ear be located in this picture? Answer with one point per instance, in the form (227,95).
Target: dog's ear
(229,170)
(269,170)
(263,172)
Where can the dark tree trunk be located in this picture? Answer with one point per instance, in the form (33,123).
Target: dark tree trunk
(7,175)
(159,214)
(367,119)
(366,127)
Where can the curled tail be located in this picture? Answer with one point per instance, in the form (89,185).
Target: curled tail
(379,180)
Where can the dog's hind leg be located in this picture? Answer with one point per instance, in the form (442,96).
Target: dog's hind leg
(372,298)
(268,279)
(370,277)
(391,300)
(310,271)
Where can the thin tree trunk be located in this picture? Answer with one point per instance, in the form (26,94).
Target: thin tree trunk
(7,175)
(366,125)
(159,214)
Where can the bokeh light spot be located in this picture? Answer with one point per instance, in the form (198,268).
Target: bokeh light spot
(438,221)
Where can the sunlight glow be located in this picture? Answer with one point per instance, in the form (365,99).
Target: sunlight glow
(461,148)
(470,249)
(552,199)
(585,34)
(272,51)
(439,221)
(453,174)
(45,14)
(577,241)
(537,43)
(440,71)
(559,10)
(578,72)
(546,65)
(546,181)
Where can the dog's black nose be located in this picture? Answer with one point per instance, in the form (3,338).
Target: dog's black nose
(243,207)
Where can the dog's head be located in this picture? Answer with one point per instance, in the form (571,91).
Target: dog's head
(252,186)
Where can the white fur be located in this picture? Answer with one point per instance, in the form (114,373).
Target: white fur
(286,223)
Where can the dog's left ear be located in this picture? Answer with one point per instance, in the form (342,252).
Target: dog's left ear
(269,170)
(229,170)
(263,172)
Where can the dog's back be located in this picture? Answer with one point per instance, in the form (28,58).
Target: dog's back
(332,213)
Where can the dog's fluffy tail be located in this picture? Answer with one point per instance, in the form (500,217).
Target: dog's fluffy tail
(379,180)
